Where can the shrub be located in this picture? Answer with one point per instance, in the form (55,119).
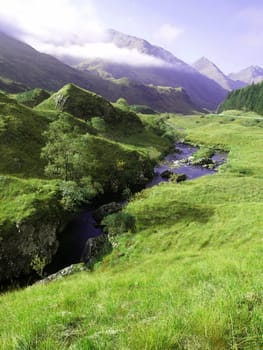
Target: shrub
(118,223)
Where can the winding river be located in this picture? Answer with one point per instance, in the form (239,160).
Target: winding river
(84,226)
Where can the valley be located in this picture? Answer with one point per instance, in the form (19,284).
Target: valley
(131,180)
(205,233)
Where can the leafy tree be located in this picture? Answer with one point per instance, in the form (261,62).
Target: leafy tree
(65,150)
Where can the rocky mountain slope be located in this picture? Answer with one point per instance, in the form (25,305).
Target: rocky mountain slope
(252,74)
(22,67)
(209,69)
(172,72)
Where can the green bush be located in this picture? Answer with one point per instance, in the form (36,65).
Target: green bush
(118,223)
(73,194)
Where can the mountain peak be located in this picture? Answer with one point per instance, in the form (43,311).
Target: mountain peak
(130,42)
(204,63)
(251,74)
(209,69)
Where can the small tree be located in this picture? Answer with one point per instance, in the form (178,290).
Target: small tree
(65,150)
(38,264)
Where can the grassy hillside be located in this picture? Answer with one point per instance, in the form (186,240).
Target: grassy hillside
(189,277)
(249,98)
(85,105)
(21,139)
(32,98)
(160,98)
(58,157)
(204,92)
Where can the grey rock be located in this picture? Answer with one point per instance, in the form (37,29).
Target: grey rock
(95,248)
(166,174)
(106,209)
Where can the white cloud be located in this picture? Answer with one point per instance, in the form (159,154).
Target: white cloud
(168,33)
(53,21)
(107,51)
(65,28)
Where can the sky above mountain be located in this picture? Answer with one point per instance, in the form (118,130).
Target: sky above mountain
(230,33)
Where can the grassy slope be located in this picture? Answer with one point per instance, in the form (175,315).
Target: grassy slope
(32,98)
(190,278)
(21,139)
(26,196)
(108,121)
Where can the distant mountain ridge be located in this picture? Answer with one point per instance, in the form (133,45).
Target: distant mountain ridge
(252,74)
(122,40)
(23,68)
(204,92)
(208,68)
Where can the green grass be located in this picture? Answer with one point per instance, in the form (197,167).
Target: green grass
(116,152)
(190,277)
(21,139)
(32,98)
(24,196)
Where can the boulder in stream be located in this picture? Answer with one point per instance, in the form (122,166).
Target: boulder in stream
(205,161)
(178,177)
(166,174)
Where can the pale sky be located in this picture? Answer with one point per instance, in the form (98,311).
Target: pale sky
(230,33)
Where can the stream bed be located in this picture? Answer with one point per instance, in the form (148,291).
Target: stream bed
(84,226)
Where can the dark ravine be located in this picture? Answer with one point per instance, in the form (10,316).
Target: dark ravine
(84,228)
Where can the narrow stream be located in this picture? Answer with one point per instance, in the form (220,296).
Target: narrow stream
(173,164)
(84,225)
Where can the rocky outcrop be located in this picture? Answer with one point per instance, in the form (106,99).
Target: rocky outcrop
(106,209)
(67,271)
(96,248)
(24,242)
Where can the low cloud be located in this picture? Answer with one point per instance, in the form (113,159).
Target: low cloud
(168,34)
(65,28)
(52,21)
(106,51)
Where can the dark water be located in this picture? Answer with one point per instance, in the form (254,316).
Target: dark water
(75,236)
(84,226)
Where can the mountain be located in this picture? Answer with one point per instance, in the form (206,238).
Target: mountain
(172,72)
(21,63)
(133,43)
(252,74)
(249,98)
(31,69)
(8,85)
(209,69)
